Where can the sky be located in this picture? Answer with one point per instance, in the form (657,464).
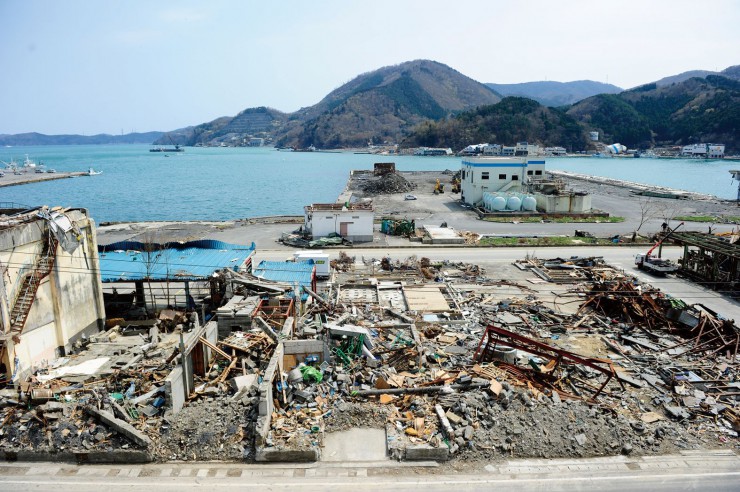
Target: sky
(95,66)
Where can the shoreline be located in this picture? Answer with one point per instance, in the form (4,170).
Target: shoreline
(632,185)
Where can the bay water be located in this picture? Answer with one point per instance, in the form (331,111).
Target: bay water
(232,183)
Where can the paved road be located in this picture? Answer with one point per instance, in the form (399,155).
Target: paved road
(704,470)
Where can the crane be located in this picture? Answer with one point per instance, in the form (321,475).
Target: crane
(655,264)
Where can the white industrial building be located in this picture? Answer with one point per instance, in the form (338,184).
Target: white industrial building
(353,221)
(702,150)
(50,294)
(497,175)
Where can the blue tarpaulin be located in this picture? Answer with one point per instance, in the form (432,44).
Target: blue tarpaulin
(299,273)
(128,261)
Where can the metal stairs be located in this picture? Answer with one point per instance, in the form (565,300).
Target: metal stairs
(29,288)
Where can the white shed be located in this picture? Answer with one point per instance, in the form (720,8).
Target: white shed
(352,221)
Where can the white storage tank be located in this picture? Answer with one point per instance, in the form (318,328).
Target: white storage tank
(529,204)
(499,203)
(513,203)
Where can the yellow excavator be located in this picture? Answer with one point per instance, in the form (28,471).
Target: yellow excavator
(456,185)
(439,188)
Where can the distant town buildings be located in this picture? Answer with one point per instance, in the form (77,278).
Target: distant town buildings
(427,151)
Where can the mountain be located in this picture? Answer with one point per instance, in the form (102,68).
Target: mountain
(253,122)
(555,94)
(731,73)
(381,105)
(514,119)
(693,110)
(41,139)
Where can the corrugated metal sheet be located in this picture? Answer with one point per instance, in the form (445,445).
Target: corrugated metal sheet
(300,272)
(194,260)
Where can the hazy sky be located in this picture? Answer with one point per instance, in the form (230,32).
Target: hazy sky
(99,66)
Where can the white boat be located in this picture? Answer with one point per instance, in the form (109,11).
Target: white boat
(93,172)
(28,164)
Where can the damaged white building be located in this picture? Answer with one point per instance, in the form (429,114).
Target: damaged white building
(50,292)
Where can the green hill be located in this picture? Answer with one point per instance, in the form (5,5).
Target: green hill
(512,120)
(694,110)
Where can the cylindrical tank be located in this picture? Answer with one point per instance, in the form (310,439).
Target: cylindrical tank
(499,203)
(529,204)
(513,203)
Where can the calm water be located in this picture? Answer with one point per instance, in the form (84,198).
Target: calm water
(231,183)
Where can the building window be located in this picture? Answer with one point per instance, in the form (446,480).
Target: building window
(330,217)
(501,176)
(538,173)
(355,216)
(484,175)
(514,177)
(463,175)
(530,172)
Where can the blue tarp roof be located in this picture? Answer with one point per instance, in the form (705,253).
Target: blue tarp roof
(126,261)
(300,272)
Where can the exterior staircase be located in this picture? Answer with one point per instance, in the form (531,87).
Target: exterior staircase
(29,287)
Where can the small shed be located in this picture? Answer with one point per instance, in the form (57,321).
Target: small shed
(353,221)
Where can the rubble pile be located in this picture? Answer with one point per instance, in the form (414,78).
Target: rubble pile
(112,396)
(452,377)
(387,184)
(445,356)
(215,428)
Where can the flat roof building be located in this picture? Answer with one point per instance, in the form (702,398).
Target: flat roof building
(496,174)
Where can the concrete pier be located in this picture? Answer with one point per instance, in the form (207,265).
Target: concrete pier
(11,179)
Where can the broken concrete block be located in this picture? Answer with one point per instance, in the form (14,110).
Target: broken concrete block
(455,419)
(244,382)
(120,426)
(468,433)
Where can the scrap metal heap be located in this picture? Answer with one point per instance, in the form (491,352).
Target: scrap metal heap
(449,359)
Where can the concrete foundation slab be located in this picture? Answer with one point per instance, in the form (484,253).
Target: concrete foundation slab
(362,444)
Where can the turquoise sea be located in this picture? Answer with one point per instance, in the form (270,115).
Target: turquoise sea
(232,183)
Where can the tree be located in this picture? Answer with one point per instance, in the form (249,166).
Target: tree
(152,256)
(648,210)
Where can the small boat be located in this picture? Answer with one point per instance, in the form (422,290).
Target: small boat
(93,172)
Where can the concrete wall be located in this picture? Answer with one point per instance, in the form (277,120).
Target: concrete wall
(174,390)
(69,301)
(324,222)
(572,203)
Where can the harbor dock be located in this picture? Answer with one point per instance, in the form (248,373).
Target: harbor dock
(11,179)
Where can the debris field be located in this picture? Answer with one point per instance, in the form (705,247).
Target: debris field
(568,358)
